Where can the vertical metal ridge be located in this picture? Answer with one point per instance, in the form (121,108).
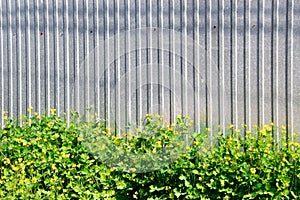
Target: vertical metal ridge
(236,63)
(48,65)
(57,57)
(37,58)
(86,56)
(77,62)
(107,63)
(249,65)
(287,72)
(29,57)
(170,62)
(128,113)
(231,64)
(272,65)
(149,64)
(97,61)
(118,85)
(277,69)
(218,66)
(181,18)
(205,64)
(185,67)
(263,61)
(139,63)
(292,71)
(174,59)
(210,73)
(10,80)
(67,107)
(2,64)
(197,75)
(223,66)
(19,61)
(258,63)
(245,66)
(161,50)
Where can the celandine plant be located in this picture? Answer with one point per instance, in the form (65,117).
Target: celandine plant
(47,158)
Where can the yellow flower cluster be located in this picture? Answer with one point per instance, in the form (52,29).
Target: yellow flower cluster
(52,111)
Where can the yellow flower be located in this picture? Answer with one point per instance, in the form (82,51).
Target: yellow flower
(283,127)
(253,170)
(35,114)
(53,166)
(30,109)
(124,134)
(268,128)
(6,161)
(207,129)
(52,111)
(20,190)
(50,124)
(222,182)
(34,179)
(79,139)
(65,155)
(231,126)
(5,118)
(159,144)
(87,192)
(238,130)
(15,168)
(263,132)
(4,112)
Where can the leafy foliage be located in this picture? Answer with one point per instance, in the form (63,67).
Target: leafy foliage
(48,158)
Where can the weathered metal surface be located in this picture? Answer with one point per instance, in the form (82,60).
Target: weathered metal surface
(222,62)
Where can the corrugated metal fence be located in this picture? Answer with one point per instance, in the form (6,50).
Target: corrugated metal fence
(221,62)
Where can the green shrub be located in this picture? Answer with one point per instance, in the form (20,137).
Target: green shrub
(50,159)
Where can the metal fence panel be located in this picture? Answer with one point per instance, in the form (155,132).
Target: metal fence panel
(221,62)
